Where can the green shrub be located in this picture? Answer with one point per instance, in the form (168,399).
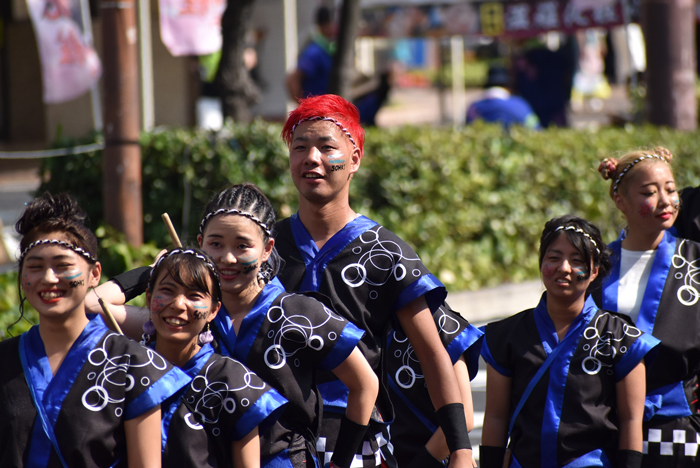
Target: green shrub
(472,201)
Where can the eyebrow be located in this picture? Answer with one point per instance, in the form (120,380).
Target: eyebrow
(322,138)
(221,236)
(55,257)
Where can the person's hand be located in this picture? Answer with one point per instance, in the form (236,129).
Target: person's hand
(461,459)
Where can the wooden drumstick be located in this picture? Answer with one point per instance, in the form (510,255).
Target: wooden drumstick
(171,230)
(108,314)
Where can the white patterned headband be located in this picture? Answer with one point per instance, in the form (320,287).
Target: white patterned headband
(328,119)
(67,245)
(201,257)
(246,214)
(580,231)
(631,165)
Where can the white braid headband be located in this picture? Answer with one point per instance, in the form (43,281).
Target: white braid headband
(186,252)
(580,231)
(631,165)
(67,245)
(328,119)
(246,214)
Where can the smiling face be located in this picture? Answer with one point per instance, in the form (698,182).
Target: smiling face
(649,200)
(179,311)
(56,279)
(564,271)
(238,247)
(322,160)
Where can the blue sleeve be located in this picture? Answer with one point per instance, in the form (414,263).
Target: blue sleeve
(344,345)
(645,345)
(428,286)
(488,357)
(161,389)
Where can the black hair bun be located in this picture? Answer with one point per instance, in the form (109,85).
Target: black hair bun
(46,207)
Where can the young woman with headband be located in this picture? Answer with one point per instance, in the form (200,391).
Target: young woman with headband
(565,380)
(653,281)
(214,420)
(72,392)
(285,338)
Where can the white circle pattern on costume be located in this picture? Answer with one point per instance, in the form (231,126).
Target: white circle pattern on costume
(295,332)
(114,373)
(605,344)
(407,374)
(214,396)
(383,260)
(687,294)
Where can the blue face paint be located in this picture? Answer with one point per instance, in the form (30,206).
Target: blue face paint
(70,277)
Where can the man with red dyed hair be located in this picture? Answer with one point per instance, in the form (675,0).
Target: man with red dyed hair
(373,278)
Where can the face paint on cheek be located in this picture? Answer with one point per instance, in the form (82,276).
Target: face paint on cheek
(157,305)
(581,274)
(26,283)
(336,159)
(675,204)
(72,274)
(75,284)
(547,271)
(200,311)
(249,264)
(645,209)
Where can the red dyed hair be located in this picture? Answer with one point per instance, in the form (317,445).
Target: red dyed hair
(327,105)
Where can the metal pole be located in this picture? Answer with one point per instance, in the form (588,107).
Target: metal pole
(95,90)
(290,41)
(122,153)
(458,92)
(146,66)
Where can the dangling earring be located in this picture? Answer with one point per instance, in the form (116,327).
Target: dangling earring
(206,336)
(149,329)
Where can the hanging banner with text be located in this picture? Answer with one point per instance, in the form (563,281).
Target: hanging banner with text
(491,18)
(69,64)
(191,27)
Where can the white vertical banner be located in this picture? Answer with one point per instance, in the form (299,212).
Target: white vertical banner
(191,27)
(69,63)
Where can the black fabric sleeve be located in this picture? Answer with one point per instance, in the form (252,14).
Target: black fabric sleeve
(351,435)
(133,283)
(454,425)
(629,459)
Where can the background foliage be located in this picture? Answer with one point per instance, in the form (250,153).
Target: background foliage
(472,201)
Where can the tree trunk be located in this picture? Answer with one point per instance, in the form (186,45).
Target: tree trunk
(237,89)
(343,61)
(669,28)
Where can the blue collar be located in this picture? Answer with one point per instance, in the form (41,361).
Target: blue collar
(317,259)
(238,346)
(655,286)
(545,326)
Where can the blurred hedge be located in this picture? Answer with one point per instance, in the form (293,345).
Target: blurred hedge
(472,201)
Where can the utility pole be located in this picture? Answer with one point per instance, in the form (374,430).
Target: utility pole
(343,61)
(122,153)
(669,32)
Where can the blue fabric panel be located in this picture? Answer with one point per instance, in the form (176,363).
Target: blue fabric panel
(643,345)
(316,260)
(486,354)
(469,342)
(164,387)
(346,342)
(428,286)
(558,374)
(667,402)
(335,394)
(596,458)
(264,412)
(191,368)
